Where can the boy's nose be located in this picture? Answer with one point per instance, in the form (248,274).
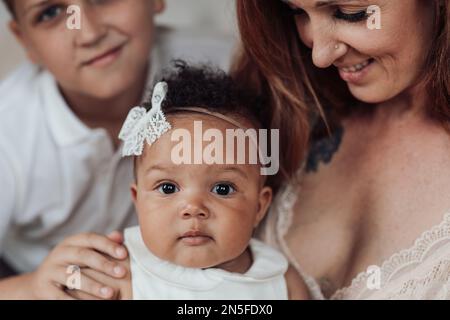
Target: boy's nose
(92,29)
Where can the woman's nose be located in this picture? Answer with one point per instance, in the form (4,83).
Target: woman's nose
(92,29)
(321,38)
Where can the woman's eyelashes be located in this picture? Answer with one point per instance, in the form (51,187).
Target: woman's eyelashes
(351,17)
(338,13)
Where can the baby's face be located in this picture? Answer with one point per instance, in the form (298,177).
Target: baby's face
(102,59)
(197,215)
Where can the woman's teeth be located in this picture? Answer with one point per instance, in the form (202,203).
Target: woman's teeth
(356,67)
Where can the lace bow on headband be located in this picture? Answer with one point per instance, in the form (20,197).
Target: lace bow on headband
(142,125)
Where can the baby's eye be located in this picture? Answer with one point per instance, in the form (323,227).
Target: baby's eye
(50,13)
(223,189)
(168,188)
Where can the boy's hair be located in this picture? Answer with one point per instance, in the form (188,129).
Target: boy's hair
(212,89)
(10,6)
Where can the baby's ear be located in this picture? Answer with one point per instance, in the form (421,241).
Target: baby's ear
(133,189)
(265,199)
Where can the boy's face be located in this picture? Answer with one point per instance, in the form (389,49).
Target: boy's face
(102,59)
(197,215)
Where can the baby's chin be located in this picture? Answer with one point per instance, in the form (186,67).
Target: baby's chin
(195,260)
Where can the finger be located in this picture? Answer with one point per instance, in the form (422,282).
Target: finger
(90,287)
(75,280)
(99,243)
(80,295)
(56,293)
(89,258)
(116,236)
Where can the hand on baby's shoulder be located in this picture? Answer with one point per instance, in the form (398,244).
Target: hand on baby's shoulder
(296,286)
(122,287)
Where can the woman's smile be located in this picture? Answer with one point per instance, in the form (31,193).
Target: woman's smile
(355,73)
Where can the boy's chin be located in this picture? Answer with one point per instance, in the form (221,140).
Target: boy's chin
(105,90)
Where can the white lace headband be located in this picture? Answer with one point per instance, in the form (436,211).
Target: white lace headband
(142,125)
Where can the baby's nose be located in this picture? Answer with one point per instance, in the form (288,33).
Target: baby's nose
(194,209)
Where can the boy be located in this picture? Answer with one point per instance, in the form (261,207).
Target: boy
(60,119)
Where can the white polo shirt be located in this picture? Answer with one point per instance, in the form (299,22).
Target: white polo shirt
(57,176)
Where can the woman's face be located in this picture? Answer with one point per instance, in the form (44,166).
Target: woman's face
(105,57)
(377,64)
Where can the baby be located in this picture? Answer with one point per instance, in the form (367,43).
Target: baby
(196,218)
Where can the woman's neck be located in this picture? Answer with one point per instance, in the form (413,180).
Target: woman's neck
(411,103)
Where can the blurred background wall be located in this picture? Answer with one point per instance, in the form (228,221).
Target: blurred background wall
(213,18)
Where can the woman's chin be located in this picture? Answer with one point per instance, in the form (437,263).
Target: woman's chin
(369,94)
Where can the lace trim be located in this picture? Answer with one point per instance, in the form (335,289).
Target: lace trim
(399,260)
(284,206)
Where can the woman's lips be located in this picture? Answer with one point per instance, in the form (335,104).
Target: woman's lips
(105,59)
(356,73)
(195,238)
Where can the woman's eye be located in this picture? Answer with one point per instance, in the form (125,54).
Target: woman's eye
(168,188)
(294,10)
(50,13)
(223,189)
(351,17)
(297,11)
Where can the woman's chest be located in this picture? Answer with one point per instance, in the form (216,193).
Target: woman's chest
(361,208)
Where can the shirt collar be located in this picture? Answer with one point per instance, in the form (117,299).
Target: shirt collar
(64,125)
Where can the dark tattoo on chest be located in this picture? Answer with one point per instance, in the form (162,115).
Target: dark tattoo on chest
(323,150)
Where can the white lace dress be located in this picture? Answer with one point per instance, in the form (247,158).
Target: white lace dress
(419,272)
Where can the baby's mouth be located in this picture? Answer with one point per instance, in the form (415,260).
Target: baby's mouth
(195,238)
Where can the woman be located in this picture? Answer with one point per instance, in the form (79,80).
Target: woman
(367,216)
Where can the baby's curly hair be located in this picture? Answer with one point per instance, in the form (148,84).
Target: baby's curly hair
(210,88)
(213,89)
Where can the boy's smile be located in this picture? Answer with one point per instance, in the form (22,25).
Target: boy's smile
(107,57)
